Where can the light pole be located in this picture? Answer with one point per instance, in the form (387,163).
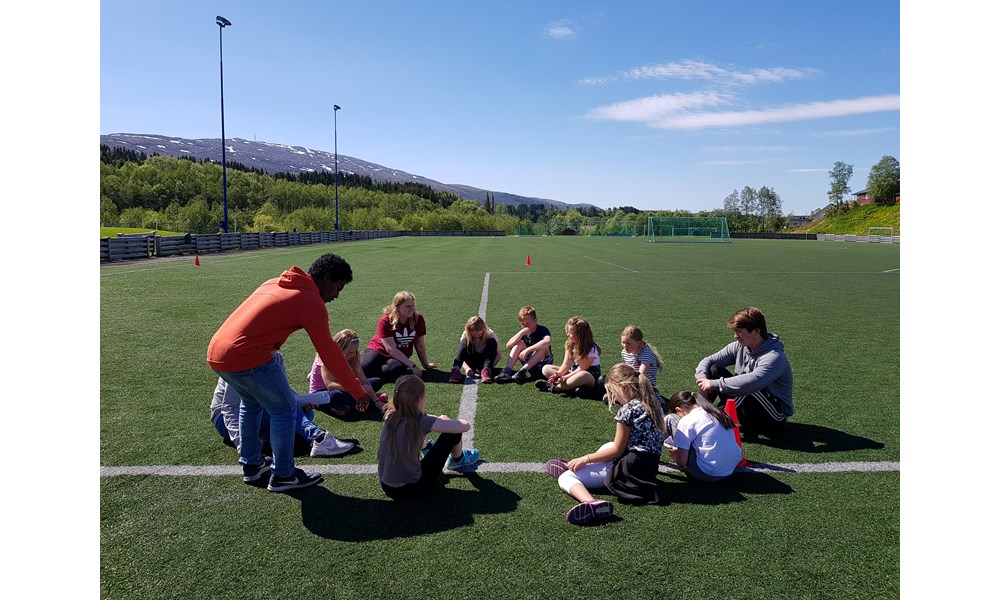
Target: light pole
(223,22)
(336,174)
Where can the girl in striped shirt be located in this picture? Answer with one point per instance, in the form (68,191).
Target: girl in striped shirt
(641,356)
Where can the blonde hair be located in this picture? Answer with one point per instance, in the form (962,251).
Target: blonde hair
(628,384)
(635,334)
(404,410)
(346,338)
(393,309)
(476,323)
(584,338)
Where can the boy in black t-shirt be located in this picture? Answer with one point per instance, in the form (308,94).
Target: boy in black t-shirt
(532,346)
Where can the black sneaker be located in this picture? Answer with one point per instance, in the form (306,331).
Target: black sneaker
(520,377)
(252,473)
(298,479)
(504,376)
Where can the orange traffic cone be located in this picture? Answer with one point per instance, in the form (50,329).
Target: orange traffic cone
(197,262)
(731,411)
(528,262)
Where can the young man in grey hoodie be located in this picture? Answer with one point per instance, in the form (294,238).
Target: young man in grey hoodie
(762,386)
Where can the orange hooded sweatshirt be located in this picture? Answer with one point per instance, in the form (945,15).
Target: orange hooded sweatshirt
(276,309)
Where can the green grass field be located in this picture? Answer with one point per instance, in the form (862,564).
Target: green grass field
(774,534)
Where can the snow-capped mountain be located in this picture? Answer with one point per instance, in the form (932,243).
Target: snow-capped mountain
(277,158)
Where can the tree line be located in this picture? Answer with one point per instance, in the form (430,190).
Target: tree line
(185,195)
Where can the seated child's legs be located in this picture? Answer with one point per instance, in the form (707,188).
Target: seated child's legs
(549,371)
(578,379)
(591,476)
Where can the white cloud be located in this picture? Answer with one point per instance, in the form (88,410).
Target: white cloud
(652,108)
(693,69)
(560,32)
(797,112)
(854,132)
(732,149)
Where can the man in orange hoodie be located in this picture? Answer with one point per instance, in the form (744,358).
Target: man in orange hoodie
(242,353)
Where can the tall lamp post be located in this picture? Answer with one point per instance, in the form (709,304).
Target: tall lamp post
(223,22)
(336,174)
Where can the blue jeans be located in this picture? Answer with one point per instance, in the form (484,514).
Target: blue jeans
(265,389)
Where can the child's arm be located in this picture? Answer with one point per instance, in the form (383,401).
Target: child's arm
(443,424)
(331,382)
(679,456)
(563,368)
(517,337)
(622,431)
(421,346)
(541,346)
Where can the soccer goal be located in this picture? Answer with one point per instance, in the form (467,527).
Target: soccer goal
(565,228)
(880,235)
(596,228)
(687,229)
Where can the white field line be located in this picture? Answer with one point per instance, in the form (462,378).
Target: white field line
(891,271)
(470,390)
(487,467)
(612,264)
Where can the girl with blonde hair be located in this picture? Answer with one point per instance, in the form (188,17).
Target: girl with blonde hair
(402,473)
(400,331)
(581,365)
(626,466)
(343,404)
(478,349)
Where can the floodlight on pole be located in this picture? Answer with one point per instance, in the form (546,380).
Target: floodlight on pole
(336,174)
(223,22)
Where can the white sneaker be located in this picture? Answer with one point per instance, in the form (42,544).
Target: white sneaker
(330,446)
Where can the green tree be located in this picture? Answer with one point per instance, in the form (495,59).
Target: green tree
(768,208)
(883,180)
(840,174)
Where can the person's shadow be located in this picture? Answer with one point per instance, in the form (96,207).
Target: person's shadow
(677,488)
(813,439)
(330,515)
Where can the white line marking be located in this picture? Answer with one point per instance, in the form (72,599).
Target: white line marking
(487,467)
(470,391)
(891,271)
(612,264)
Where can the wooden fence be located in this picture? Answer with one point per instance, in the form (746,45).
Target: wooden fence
(148,245)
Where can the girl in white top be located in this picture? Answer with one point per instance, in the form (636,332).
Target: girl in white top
(581,365)
(705,442)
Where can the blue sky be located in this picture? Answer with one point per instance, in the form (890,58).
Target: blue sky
(658,105)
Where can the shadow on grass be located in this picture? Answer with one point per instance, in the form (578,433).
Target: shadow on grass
(735,488)
(332,516)
(814,439)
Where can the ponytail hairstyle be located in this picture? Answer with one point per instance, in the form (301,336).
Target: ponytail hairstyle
(626,384)
(584,338)
(690,401)
(404,411)
(393,309)
(476,323)
(635,334)
(347,339)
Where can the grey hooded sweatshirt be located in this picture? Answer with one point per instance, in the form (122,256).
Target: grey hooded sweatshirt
(766,368)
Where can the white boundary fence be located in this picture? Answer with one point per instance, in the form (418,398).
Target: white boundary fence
(870,239)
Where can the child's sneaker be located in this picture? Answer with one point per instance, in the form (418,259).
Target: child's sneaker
(252,473)
(520,377)
(330,446)
(298,479)
(428,444)
(456,376)
(487,376)
(470,456)
(505,375)
(589,512)
(556,467)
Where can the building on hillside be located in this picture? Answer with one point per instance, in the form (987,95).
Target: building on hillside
(862,198)
(798,220)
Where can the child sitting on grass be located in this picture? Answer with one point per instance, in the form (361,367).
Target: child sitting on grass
(477,351)
(626,466)
(342,403)
(532,346)
(706,446)
(402,473)
(581,365)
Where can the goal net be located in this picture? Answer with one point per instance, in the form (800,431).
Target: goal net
(687,229)
(880,235)
(565,228)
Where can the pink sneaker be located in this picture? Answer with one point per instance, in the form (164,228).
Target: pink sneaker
(487,376)
(590,512)
(556,467)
